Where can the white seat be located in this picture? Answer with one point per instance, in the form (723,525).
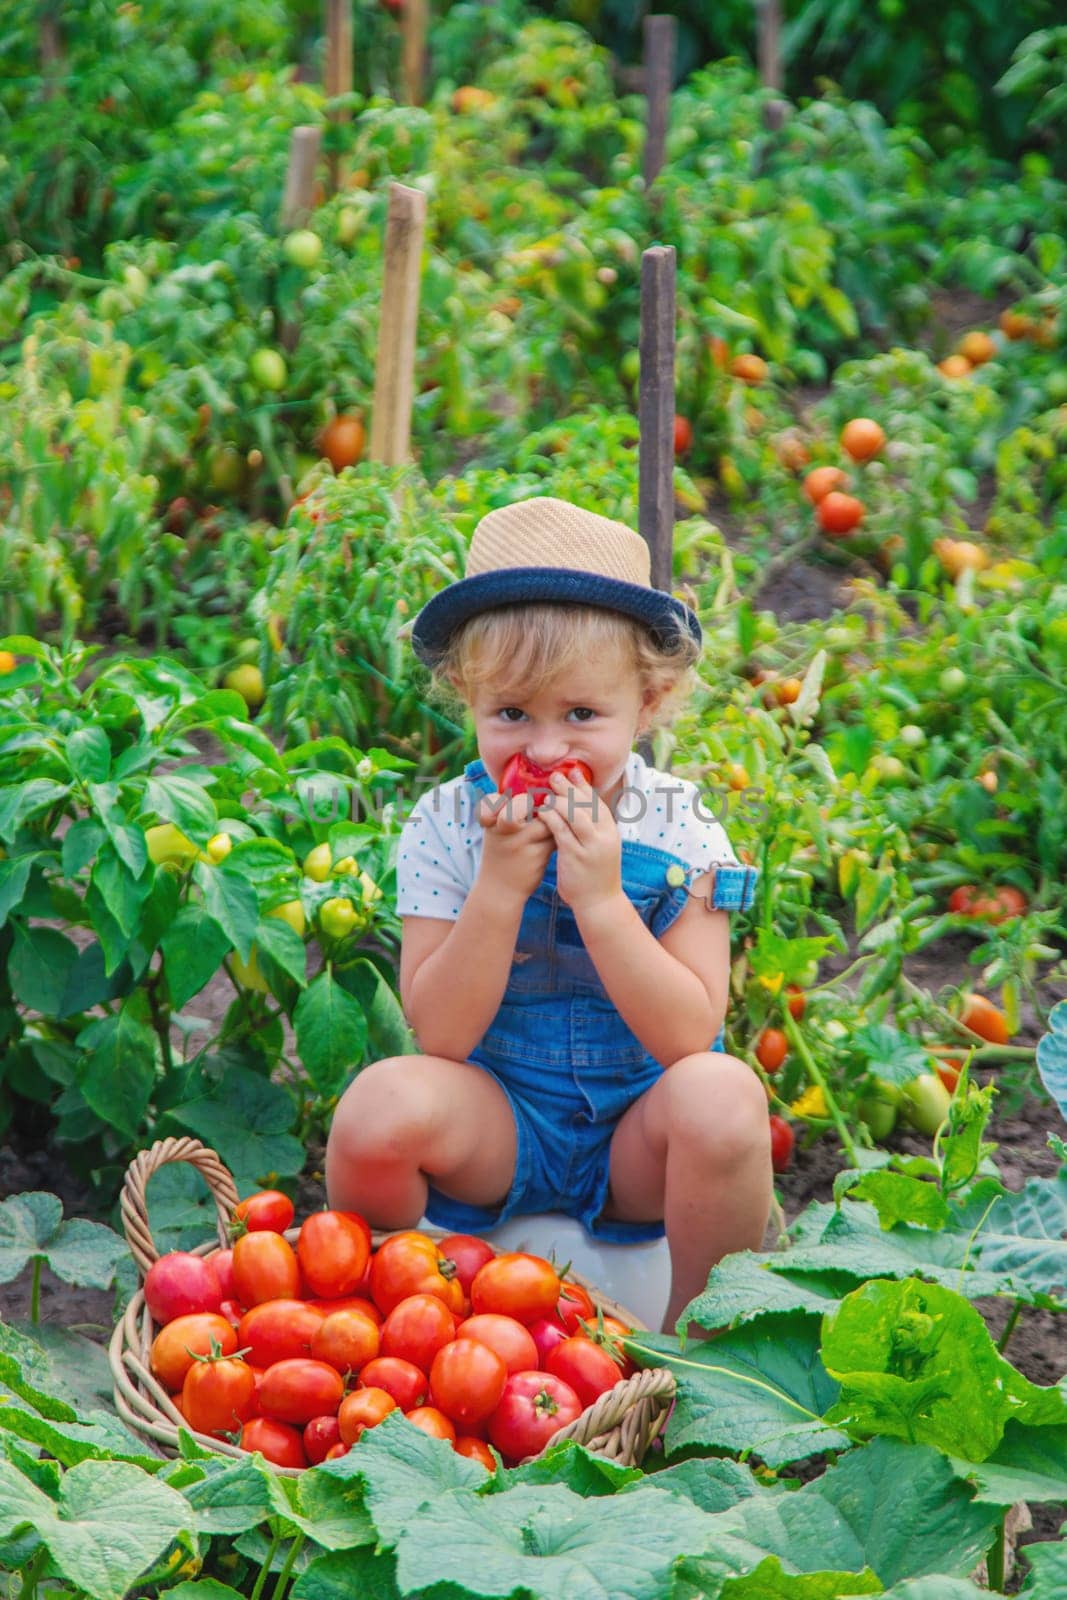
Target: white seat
(638,1276)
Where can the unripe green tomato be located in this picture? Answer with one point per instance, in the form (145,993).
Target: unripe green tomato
(348,221)
(878,1108)
(890,768)
(268,369)
(226,469)
(303,248)
(337,917)
(925,1102)
(247,681)
(952,681)
(219,846)
(630,366)
(912,735)
(292,912)
(317,863)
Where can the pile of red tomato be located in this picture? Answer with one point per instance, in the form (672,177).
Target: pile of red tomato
(295,1352)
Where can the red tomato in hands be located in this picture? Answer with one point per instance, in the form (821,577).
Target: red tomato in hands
(517,1285)
(401,1379)
(587,1367)
(278,1330)
(275,1441)
(265,1268)
(522,776)
(533,1407)
(218,1396)
(269,1211)
(466,1382)
(296,1391)
(181,1284)
(468,1253)
(417,1328)
(512,1341)
(410,1263)
(333,1250)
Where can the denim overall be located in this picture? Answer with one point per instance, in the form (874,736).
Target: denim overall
(558,1047)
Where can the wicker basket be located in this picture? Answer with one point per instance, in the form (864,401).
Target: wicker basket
(621,1424)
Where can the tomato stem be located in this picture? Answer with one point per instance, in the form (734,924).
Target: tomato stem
(35,1290)
(261,1576)
(995,1559)
(1009,1326)
(796,1038)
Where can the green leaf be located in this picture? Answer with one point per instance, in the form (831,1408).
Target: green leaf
(14,876)
(890,1054)
(284,946)
(743,1287)
(232,1497)
(86,1253)
(119,1069)
(40,966)
(331,1511)
(110,1522)
(897,1198)
(1029,1463)
(89,754)
(129,841)
(769,1582)
(351,1575)
(21,800)
(248,1118)
(231,900)
(89,984)
(916,1361)
(232,731)
(1047,1577)
(890,1508)
(203,1589)
(185,803)
(388,1033)
(121,892)
(1052,1057)
(1024,1238)
(27,1222)
(584,1473)
(331,1032)
(712,1484)
(193,948)
(761,1389)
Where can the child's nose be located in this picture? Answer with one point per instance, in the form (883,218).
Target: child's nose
(546,752)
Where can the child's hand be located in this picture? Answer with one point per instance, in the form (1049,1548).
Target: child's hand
(587,838)
(516,846)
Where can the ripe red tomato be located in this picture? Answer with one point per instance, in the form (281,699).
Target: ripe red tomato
(521,776)
(275,1441)
(512,1341)
(466,1382)
(516,1285)
(320,1436)
(176,1346)
(985,1019)
(363,1408)
(574,1306)
(333,1250)
(547,1333)
(796,1002)
(410,1263)
(278,1330)
(179,1285)
(683,435)
(533,1407)
(433,1422)
(772,1047)
(296,1391)
(586,1366)
(218,1396)
(346,1340)
(948,1069)
(781,1143)
(222,1261)
(348,1302)
(265,1268)
(342,440)
(821,480)
(407,1383)
(336,1451)
(417,1328)
(838,514)
(475,1450)
(269,1211)
(468,1253)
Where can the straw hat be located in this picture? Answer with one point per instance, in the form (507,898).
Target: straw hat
(546,549)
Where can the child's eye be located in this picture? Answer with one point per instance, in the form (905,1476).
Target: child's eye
(505,712)
(584,713)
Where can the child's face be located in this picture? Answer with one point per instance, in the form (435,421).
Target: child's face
(593,717)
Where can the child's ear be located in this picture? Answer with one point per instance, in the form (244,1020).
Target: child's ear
(651,699)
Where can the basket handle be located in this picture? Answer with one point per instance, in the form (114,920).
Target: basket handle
(134,1204)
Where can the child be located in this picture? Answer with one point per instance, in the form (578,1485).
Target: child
(565,967)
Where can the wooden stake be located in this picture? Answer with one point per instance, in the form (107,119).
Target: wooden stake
(769,53)
(298,198)
(656,410)
(338,68)
(394,376)
(413,25)
(51,44)
(659,80)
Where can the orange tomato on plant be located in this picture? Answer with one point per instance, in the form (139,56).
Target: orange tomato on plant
(862,438)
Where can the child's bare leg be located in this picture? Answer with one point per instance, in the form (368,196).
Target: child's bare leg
(695,1150)
(407,1120)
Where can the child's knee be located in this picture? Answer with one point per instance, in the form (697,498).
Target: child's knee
(720,1104)
(381,1109)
